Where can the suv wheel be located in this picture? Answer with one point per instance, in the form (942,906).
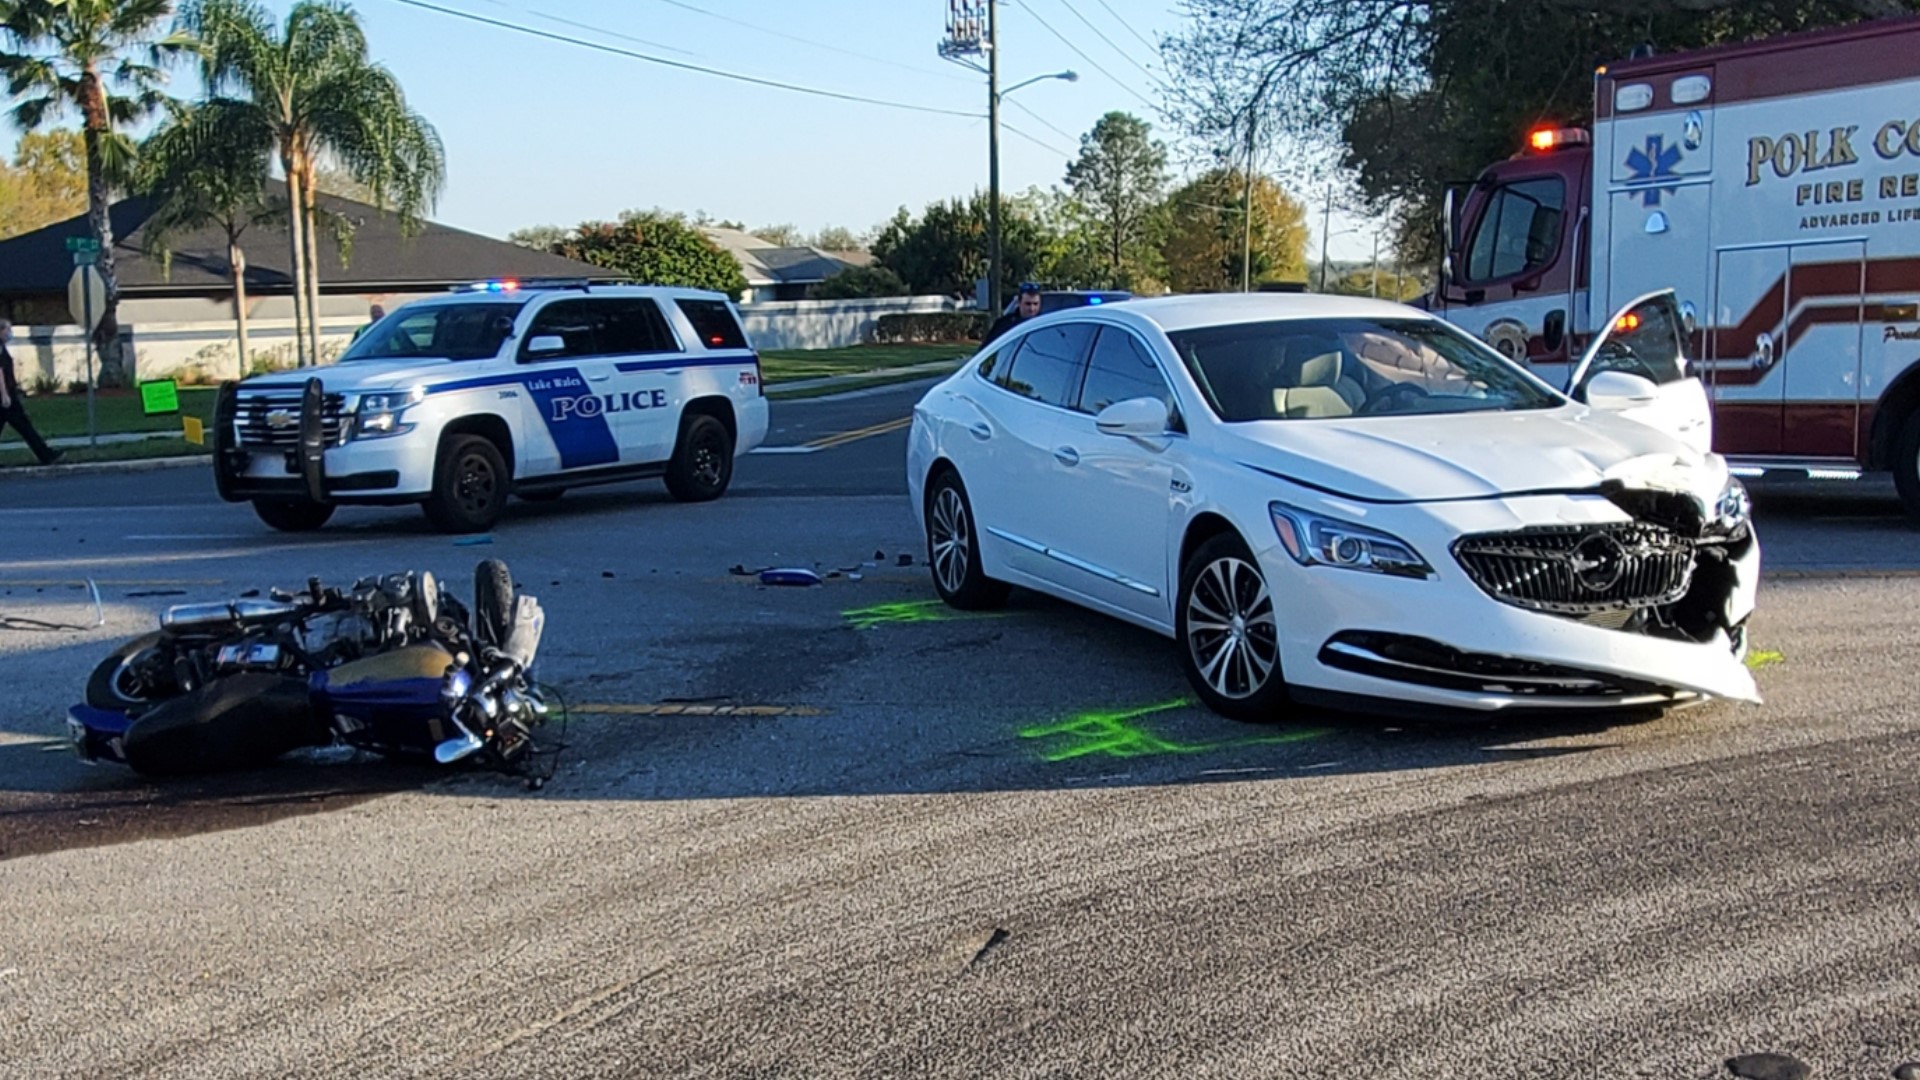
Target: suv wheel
(1229,637)
(702,464)
(292,515)
(470,485)
(953,548)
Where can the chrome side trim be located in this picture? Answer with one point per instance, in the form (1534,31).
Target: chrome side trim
(1077,563)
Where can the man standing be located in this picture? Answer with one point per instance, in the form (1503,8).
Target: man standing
(13,407)
(1023,309)
(375,313)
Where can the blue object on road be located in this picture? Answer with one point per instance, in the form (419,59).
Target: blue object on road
(473,541)
(789,576)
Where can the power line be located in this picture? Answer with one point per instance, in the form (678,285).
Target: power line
(1044,122)
(684,6)
(1037,142)
(1124,55)
(1064,40)
(609,33)
(735,76)
(1123,22)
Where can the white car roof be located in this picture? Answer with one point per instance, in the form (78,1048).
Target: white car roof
(1171,313)
(523,295)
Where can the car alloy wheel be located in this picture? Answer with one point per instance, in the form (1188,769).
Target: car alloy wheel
(477,486)
(951,540)
(1230,628)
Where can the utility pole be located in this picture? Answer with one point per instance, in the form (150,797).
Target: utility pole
(1246,248)
(1326,231)
(1373,271)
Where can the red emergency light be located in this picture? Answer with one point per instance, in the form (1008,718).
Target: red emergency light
(1541,140)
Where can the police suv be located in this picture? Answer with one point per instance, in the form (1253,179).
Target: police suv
(499,388)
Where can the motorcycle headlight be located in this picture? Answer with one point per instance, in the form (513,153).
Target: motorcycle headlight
(1317,540)
(379,414)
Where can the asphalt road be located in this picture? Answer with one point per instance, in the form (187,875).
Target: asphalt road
(962,846)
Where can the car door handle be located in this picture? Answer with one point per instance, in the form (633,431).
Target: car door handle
(1067,455)
(981,431)
(602,377)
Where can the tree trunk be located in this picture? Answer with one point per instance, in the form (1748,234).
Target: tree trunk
(237,262)
(296,220)
(309,190)
(93,109)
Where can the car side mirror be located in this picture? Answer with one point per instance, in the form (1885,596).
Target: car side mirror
(1617,391)
(546,345)
(1138,418)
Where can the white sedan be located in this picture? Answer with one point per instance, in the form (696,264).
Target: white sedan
(1348,502)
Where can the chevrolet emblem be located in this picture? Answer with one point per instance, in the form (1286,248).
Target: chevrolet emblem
(280,419)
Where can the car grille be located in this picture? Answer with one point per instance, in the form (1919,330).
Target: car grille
(256,427)
(1584,571)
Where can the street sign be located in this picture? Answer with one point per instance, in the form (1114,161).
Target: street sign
(86,297)
(82,243)
(86,258)
(160,397)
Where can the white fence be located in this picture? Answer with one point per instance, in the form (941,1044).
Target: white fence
(827,324)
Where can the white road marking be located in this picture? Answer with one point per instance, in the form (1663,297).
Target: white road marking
(191,536)
(784,450)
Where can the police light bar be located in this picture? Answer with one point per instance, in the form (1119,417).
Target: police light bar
(1541,140)
(507,285)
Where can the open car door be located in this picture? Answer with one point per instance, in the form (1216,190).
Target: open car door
(1638,367)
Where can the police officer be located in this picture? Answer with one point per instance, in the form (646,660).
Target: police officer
(13,406)
(1023,309)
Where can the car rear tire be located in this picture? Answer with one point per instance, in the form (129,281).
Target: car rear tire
(293,515)
(1906,464)
(470,485)
(702,464)
(1227,629)
(232,723)
(953,548)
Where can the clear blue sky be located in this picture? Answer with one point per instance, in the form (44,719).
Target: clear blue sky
(541,132)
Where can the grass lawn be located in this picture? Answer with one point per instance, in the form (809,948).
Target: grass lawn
(57,415)
(787,365)
(12,455)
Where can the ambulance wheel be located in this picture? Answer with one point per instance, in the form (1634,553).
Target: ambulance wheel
(702,464)
(293,516)
(1906,464)
(470,485)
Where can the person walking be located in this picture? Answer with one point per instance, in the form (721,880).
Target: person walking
(13,406)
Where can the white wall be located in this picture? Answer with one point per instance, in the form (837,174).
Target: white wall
(827,324)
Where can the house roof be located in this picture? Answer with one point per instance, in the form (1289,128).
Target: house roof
(379,255)
(769,264)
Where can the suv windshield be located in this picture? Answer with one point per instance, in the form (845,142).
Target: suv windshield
(452,331)
(1313,369)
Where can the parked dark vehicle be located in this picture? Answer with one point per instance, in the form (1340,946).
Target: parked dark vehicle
(391,665)
(1060,299)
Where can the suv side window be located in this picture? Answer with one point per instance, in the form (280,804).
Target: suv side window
(1120,369)
(633,326)
(1518,231)
(714,322)
(1048,366)
(575,322)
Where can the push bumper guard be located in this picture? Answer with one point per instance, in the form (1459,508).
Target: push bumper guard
(307,460)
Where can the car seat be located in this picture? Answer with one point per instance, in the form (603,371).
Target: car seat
(1313,383)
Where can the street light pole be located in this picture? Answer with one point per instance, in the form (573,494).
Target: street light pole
(1326,232)
(993,157)
(1246,243)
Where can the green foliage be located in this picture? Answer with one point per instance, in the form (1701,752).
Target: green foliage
(1117,182)
(780,235)
(538,237)
(656,249)
(1367,281)
(837,238)
(206,166)
(859,282)
(930,326)
(1205,241)
(46,183)
(945,250)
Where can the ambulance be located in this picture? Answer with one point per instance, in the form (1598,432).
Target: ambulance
(1775,188)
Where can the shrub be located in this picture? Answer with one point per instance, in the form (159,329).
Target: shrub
(43,384)
(859,283)
(930,326)
(79,386)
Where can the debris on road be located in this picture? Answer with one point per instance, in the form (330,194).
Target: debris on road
(986,944)
(1769,1067)
(473,541)
(792,575)
(1908,1071)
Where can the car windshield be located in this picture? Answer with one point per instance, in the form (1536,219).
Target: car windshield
(1316,369)
(452,331)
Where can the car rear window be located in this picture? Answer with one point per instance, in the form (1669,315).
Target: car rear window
(715,324)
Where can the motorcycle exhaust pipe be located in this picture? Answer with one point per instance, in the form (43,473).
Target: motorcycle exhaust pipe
(229,613)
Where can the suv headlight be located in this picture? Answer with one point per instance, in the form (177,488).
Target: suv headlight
(379,414)
(1317,540)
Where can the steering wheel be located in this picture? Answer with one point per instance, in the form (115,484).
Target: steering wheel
(1391,397)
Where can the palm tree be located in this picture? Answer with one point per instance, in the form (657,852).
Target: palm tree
(322,103)
(60,56)
(207,166)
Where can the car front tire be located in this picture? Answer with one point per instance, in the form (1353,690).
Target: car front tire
(702,464)
(1227,628)
(293,515)
(953,548)
(470,486)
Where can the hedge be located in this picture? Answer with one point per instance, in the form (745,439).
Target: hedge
(930,326)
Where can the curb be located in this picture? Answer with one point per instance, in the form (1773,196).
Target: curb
(136,466)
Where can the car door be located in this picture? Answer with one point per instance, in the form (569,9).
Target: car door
(568,377)
(1113,493)
(645,396)
(1020,407)
(1648,338)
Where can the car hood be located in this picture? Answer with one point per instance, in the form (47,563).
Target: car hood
(1474,455)
(356,376)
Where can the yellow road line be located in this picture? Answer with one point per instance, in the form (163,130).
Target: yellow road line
(828,442)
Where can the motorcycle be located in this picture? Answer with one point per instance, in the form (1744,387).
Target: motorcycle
(391,666)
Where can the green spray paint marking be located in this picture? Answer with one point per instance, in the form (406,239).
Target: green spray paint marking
(1113,735)
(1764,658)
(905,612)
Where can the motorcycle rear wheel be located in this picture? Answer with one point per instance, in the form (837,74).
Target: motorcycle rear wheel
(237,722)
(117,683)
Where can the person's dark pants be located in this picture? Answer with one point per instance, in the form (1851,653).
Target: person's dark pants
(17,416)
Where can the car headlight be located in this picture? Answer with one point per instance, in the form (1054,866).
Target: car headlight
(1732,511)
(379,414)
(1317,540)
